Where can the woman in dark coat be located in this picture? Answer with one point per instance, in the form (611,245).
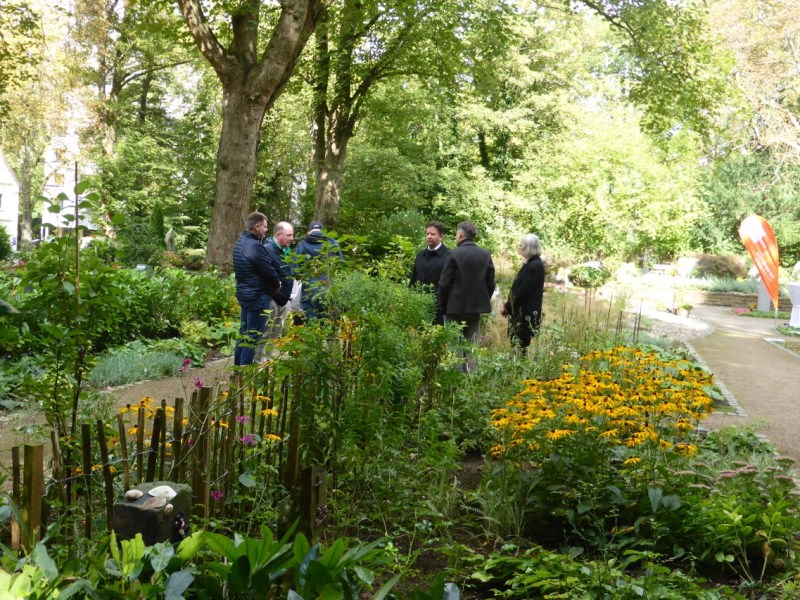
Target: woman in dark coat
(524,305)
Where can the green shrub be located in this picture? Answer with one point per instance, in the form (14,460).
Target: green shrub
(192,258)
(5,244)
(730,265)
(586,276)
(139,361)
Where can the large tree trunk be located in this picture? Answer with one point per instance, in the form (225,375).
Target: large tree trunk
(251,84)
(26,174)
(330,172)
(236,172)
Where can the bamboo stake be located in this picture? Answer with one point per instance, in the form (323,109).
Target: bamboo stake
(140,445)
(16,495)
(86,438)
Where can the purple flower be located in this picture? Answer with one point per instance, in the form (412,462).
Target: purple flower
(216,495)
(198,383)
(248,440)
(187,362)
(242,419)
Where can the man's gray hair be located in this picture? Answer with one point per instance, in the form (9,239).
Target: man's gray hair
(530,246)
(468,229)
(280,226)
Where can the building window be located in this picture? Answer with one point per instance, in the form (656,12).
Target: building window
(1,200)
(58,178)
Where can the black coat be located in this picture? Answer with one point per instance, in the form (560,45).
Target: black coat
(427,270)
(467,282)
(524,304)
(428,266)
(255,273)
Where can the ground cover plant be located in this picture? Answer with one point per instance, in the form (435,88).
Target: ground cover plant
(574,470)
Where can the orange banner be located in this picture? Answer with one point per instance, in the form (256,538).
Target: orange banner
(760,242)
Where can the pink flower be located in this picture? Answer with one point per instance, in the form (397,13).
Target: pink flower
(198,383)
(242,419)
(190,443)
(216,495)
(248,440)
(187,362)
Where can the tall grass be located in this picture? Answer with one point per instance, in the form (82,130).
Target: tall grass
(130,366)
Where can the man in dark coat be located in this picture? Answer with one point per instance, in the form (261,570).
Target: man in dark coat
(278,250)
(316,266)
(256,282)
(467,282)
(429,264)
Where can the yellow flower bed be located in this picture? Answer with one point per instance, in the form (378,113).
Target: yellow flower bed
(619,398)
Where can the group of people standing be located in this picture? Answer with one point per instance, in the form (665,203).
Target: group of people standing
(462,278)
(265,280)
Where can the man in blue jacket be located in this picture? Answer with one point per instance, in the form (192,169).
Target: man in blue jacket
(256,282)
(316,265)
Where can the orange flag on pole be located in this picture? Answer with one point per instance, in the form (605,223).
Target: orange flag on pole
(760,242)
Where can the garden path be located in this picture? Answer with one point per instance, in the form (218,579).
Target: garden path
(760,376)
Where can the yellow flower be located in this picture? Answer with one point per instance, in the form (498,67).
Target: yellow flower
(686,449)
(633,460)
(269,412)
(557,434)
(273,437)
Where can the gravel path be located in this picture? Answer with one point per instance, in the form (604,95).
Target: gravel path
(760,377)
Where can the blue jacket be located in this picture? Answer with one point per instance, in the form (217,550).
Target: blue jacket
(311,246)
(254,270)
(284,270)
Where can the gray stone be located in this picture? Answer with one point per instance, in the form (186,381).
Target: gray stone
(148,515)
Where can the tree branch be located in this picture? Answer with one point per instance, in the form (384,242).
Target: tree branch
(222,62)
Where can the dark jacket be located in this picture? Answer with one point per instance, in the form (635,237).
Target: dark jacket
(428,266)
(254,271)
(314,267)
(467,282)
(427,270)
(525,299)
(278,258)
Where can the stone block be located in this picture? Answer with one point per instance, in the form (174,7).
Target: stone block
(159,510)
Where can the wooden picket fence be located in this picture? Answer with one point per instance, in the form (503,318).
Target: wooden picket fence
(205,446)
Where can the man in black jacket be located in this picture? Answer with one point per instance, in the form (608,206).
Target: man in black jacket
(429,264)
(467,282)
(256,282)
(278,250)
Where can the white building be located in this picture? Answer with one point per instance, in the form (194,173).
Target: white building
(9,200)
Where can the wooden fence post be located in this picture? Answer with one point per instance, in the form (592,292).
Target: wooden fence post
(178,460)
(293,448)
(200,432)
(155,439)
(123,445)
(33,490)
(108,480)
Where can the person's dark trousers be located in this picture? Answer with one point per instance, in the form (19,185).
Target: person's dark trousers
(471,330)
(252,324)
(470,326)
